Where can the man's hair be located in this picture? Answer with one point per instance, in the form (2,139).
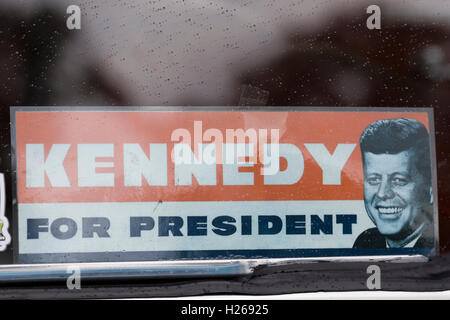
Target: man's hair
(396,135)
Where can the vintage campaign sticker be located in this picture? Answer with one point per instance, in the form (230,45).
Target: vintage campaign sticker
(125,184)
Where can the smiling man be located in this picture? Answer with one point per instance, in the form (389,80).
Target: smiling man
(398,193)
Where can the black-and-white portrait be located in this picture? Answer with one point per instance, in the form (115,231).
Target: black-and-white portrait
(398,194)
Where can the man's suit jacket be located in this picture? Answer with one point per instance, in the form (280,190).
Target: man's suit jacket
(373,239)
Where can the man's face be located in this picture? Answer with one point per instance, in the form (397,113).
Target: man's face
(395,192)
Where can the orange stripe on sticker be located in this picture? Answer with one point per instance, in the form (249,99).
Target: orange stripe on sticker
(77,156)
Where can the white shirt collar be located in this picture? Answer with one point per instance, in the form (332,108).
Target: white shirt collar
(413,241)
